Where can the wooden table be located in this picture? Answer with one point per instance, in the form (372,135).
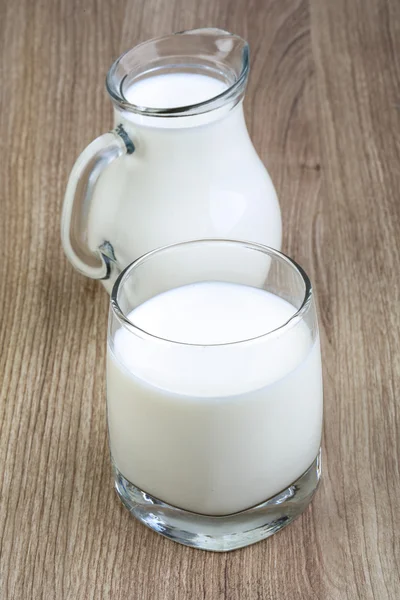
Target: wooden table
(323,108)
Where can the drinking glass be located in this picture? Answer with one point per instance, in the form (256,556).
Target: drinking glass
(215,446)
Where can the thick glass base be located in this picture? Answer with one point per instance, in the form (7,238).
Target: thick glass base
(224,533)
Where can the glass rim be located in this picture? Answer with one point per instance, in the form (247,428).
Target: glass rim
(231,92)
(297,316)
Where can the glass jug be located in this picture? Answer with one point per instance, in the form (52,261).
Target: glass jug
(169,172)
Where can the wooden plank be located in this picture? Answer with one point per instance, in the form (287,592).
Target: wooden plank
(355,46)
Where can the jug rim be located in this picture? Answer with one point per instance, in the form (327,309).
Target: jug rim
(233,93)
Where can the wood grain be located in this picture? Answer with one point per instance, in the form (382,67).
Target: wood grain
(323,108)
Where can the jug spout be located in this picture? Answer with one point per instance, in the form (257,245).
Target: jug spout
(230,51)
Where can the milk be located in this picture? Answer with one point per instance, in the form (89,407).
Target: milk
(174,89)
(190,177)
(214,429)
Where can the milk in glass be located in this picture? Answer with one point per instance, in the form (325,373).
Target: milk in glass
(212,428)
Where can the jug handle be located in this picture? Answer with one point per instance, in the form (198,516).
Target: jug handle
(78,197)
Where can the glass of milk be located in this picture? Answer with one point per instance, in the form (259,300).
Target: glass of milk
(214,392)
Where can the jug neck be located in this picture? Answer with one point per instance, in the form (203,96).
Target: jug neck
(205,133)
(209,53)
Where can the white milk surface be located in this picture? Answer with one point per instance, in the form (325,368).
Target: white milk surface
(174,90)
(214,429)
